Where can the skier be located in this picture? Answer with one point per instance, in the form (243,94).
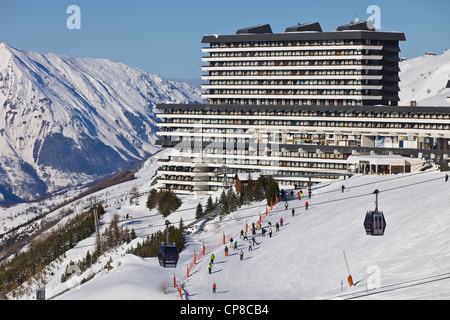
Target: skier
(209,268)
(242,234)
(245,236)
(277,227)
(235,245)
(306,205)
(286,205)
(293,212)
(250,246)
(226,251)
(446,177)
(254,241)
(212,258)
(214,288)
(281,221)
(343,188)
(242,255)
(270,232)
(263,232)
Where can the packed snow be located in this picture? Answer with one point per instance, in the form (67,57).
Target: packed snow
(303,260)
(424,80)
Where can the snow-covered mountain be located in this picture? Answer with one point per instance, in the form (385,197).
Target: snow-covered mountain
(68,120)
(424,80)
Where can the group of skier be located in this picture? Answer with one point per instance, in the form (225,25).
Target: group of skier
(252,242)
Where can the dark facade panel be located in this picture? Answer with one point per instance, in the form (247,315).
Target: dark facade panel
(299,36)
(312,26)
(374,108)
(363,25)
(262,28)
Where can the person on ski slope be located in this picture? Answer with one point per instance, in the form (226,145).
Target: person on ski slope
(306,205)
(214,288)
(226,251)
(242,255)
(281,221)
(212,258)
(293,212)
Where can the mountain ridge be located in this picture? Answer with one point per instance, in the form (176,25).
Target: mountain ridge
(71,119)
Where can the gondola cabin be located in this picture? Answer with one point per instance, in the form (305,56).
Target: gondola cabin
(168,255)
(374,223)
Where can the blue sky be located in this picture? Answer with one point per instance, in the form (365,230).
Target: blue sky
(164,37)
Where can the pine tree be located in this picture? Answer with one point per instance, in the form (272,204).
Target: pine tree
(232,200)
(199,211)
(272,190)
(224,205)
(152,199)
(259,190)
(209,205)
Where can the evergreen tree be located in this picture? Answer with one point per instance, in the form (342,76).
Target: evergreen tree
(199,211)
(152,199)
(259,189)
(168,202)
(223,203)
(272,190)
(232,200)
(209,205)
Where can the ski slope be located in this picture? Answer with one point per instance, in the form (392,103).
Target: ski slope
(304,259)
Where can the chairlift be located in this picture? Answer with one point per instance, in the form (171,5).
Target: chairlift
(168,252)
(374,223)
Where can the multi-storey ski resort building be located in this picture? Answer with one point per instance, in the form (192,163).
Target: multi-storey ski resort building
(303,106)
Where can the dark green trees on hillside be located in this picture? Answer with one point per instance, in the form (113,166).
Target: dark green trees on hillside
(164,200)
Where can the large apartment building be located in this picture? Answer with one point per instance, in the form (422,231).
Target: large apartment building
(296,105)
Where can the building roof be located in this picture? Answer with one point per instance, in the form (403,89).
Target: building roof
(362,25)
(311,26)
(383,159)
(261,28)
(363,30)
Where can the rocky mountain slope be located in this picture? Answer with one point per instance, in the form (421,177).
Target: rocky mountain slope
(69,120)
